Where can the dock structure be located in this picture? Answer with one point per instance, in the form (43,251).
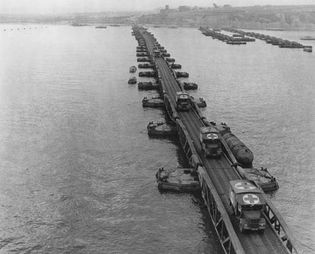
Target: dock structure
(281,43)
(214,174)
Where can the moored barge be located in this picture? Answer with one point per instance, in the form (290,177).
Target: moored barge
(177,180)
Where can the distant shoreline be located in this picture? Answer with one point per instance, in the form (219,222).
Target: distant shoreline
(170,26)
(269,18)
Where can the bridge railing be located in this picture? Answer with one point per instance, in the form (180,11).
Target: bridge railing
(220,219)
(278,224)
(197,109)
(187,144)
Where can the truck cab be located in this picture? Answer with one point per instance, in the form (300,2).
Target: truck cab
(248,204)
(183,101)
(210,142)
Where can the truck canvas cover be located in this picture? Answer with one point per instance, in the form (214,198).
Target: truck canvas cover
(209,133)
(244,186)
(247,193)
(250,199)
(183,96)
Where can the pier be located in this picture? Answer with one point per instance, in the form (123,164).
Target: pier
(232,40)
(214,173)
(240,37)
(275,41)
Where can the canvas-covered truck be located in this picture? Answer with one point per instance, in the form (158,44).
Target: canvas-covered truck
(248,204)
(156,53)
(210,141)
(183,101)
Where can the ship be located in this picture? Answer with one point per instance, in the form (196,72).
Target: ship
(101,27)
(132,80)
(308,38)
(132,69)
(77,24)
(177,180)
(161,129)
(154,102)
(308,49)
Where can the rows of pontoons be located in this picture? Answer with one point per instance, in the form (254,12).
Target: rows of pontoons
(147,68)
(168,179)
(149,81)
(281,43)
(241,154)
(235,39)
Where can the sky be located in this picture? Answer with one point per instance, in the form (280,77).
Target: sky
(70,6)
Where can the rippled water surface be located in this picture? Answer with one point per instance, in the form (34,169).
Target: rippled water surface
(77,168)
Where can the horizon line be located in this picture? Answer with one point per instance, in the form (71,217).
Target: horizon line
(151,10)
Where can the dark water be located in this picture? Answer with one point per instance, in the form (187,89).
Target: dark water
(77,168)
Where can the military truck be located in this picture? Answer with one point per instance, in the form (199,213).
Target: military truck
(248,204)
(183,101)
(210,142)
(156,53)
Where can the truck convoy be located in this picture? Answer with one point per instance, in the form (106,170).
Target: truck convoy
(248,204)
(183,101)
(210,142)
